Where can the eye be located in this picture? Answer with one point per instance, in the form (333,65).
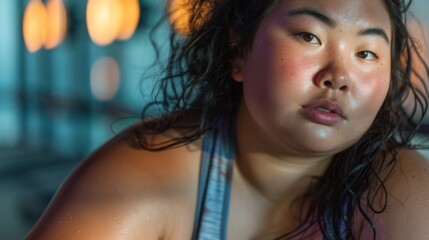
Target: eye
(367,55)
(308,37)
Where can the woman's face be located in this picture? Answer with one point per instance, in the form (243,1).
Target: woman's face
(317,73)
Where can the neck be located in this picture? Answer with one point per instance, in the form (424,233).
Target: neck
(276,173)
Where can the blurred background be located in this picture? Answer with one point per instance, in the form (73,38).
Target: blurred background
(70,76)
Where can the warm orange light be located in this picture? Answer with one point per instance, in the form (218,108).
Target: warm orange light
(131,16)
(34,25)
(179,13)
(108,20)
(44,25)
(57,23)
(104,20)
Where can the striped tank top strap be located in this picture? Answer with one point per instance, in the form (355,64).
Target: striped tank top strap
(214,191)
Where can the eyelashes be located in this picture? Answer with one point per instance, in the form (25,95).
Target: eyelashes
(309,37)
(367,55)
(313,39)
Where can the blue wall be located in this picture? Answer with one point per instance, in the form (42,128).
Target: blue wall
(49,118)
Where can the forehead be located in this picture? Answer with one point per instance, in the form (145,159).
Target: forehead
(360,13)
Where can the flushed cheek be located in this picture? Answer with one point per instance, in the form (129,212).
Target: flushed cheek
(294,70)
(380,86)
(371,96)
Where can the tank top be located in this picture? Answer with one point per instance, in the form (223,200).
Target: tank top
(215,178)
(218,155)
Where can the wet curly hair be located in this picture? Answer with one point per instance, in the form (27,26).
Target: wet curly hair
(197,85)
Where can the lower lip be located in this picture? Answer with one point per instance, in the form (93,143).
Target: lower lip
(322,117)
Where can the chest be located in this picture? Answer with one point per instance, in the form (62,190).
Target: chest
(257,219)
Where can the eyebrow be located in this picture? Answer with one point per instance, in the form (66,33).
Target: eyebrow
(332,24)
(314,13)
(375,31)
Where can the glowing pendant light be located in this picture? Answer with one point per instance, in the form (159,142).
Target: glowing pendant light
(130,18)
(34,25)
(57,23)
(44,26)
(109,20)
(104,20)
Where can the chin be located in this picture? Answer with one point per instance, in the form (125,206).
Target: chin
(318,146)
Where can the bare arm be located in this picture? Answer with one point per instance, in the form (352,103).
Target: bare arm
(118,193)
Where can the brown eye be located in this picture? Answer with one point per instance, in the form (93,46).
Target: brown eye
(308,37)
(367,55)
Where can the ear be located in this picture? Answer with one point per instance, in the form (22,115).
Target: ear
(237,68)
(236,60)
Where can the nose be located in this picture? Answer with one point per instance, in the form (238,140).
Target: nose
(335,75)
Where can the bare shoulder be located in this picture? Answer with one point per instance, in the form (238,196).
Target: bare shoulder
(410,177)
(120,192)
(407,212)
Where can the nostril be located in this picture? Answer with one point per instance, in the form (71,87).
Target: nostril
(335,85)
(327,84)
(343,88)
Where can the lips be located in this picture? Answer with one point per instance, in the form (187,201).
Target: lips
(324,112)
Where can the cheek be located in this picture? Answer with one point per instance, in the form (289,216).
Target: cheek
(373,93)
(292,69)
(382,83)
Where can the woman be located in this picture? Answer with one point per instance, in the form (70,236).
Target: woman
(280,119)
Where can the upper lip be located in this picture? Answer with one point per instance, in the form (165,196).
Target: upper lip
(328,105)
